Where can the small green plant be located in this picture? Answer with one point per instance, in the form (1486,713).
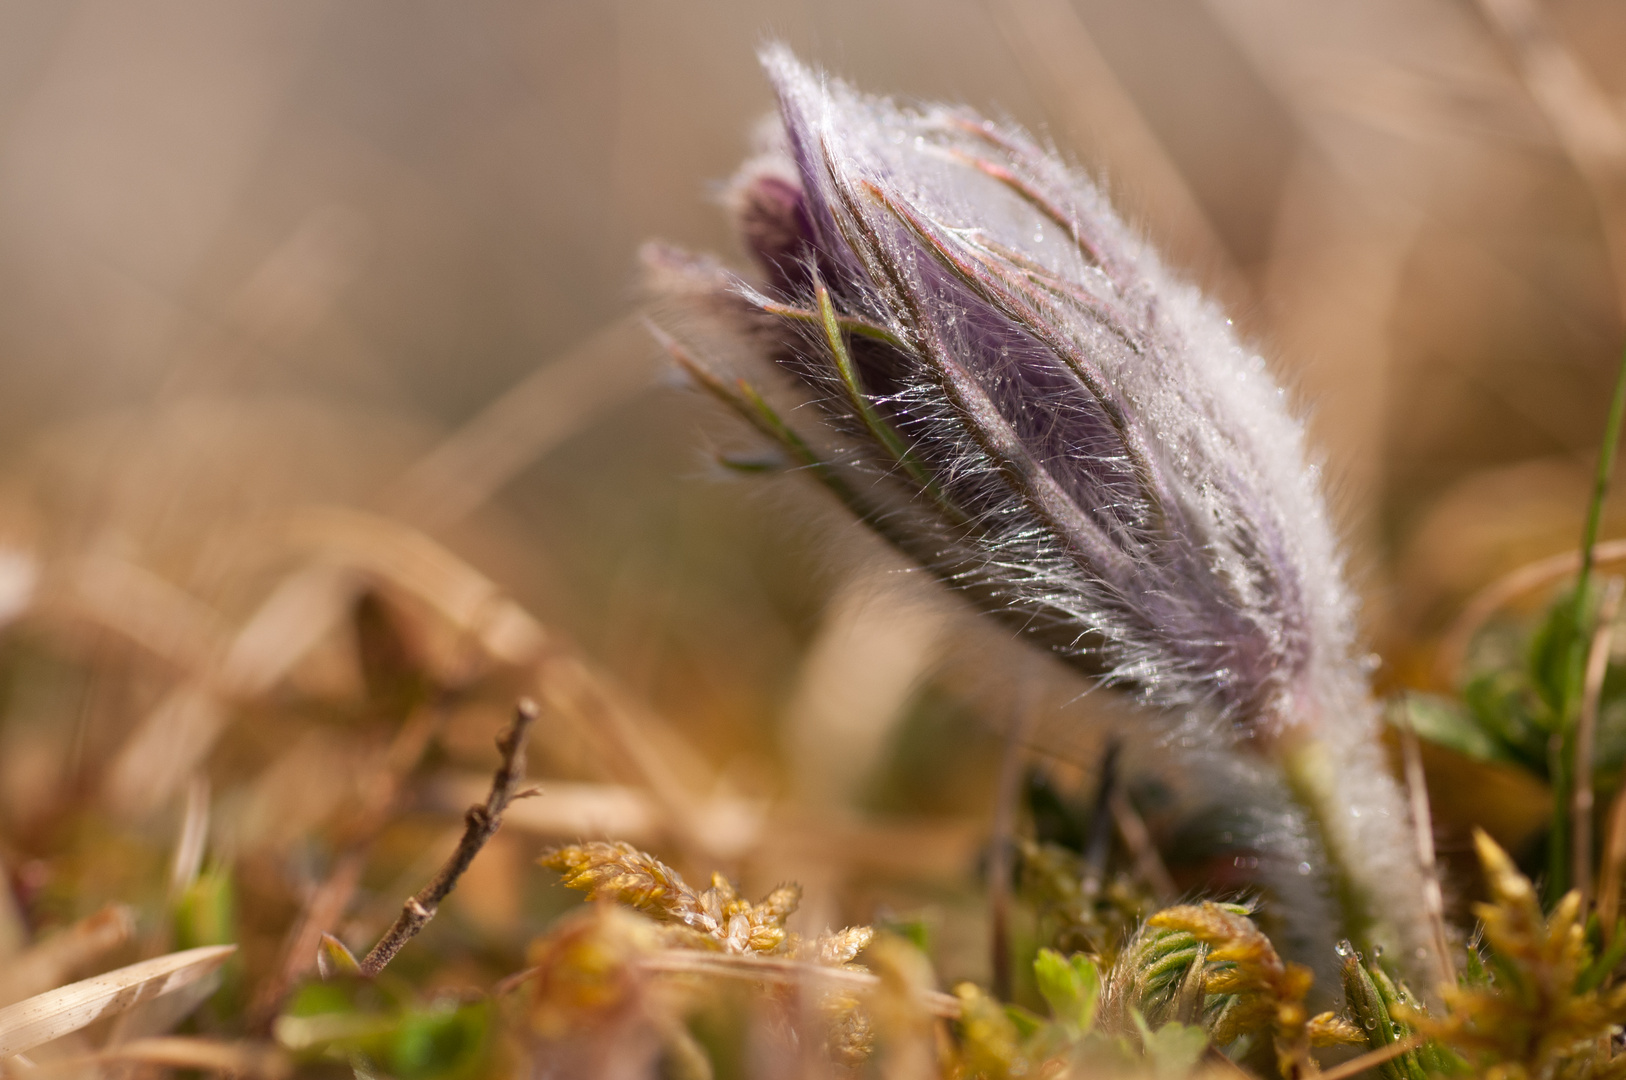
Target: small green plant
(1547,699)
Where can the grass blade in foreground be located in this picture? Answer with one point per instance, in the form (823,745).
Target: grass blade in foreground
(55,1013)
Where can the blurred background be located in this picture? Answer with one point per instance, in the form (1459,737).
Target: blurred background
(324,404)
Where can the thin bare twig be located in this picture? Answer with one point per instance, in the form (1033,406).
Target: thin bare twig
(480,825)
(1586,737)
(1422,821)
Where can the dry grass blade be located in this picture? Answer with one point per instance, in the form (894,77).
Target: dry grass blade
(782,971)
(648,749)
(323,908)
(55,1013)
(441,489)
(1453,647)
(244,1059)
(1588,123)
(1357,1066)
(1422,822)
(411,561)
(149,611)
(1137,838)
(381,791)
(1006,799)
(48,963)
(1580,111)
(180,731)
(1059,57)
(523,424)
(194,837)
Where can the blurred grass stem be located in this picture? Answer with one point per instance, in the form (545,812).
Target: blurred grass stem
(1614,859)
(1006,797)
(1586,734)
(1566,749)
(1099,843)
(1137,838)
(1422,821)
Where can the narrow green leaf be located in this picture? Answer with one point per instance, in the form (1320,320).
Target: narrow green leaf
(1597,971)
(883,432)
(1445,723)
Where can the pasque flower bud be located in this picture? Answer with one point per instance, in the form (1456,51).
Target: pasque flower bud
(1012,388)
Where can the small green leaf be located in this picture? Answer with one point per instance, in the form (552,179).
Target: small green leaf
(1070,986)
(1174,1049)
(205,913)
(1026,1023)
(334,960)
(1473,969)
(1558,646)
(914,929)
(1504,706)
(1445,723)
(1593,976)
(438,1042)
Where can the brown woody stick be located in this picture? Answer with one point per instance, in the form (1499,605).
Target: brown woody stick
(479,825)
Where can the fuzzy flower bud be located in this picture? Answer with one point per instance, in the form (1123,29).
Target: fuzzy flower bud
(1013,390)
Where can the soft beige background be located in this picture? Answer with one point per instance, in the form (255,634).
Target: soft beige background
(401,209)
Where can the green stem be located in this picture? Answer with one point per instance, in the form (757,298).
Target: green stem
(1558,860)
